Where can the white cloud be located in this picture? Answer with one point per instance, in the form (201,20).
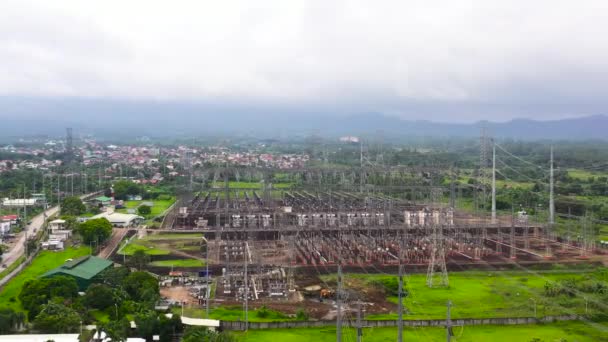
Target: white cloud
(380,55)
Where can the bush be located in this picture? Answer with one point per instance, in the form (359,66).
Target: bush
(144,210)
(263,312)
(301,315)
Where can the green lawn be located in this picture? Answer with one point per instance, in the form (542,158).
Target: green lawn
(12,266)
(480,294)
(584,174)
(563,331)
(158,207)
(137,245)
(178,263)
(44,262)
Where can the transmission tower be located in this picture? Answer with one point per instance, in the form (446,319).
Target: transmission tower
(69,146)
(437,262)
(551,200)
(483,161)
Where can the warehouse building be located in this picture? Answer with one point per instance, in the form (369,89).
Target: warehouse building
(84,270)
(120,219)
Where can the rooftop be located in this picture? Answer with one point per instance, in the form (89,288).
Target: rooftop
(85,267)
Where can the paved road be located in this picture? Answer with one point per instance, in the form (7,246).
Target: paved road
(37,222)
(19,246)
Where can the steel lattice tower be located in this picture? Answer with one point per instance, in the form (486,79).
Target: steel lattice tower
(483,162)
(69,146)
(437,261)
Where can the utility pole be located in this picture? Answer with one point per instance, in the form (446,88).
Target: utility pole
(58,190)
(400,294)
(493,183)
(513,253)
(359,328)
(246,290)
(448,322)
(400,307)
(24,208)
(453,190)
(207,276)
(339,303)
(551,200)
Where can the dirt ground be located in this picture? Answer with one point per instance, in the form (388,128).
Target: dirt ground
(178,293)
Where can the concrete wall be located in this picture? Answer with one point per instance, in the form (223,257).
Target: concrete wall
(227,325)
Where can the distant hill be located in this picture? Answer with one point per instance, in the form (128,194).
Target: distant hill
(583,128)
(22,116)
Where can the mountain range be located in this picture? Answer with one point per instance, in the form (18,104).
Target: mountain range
(23,117)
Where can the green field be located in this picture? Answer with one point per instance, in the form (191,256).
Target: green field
(162,244)
(480,294)
(45,261)
(178,263)
(12,267)
(158,207)
(563,331)
(137,245)
(584,174)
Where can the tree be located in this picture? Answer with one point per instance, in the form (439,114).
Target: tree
(72,206)
(71,223)
(99,296)
(147,324)
(139,259)
(196,334)
(141,286)
(144,210)
(10,320)
(37,292)
(57,318)
(97,230)
(114,276)
(124,188)
(167,327)
(117,331)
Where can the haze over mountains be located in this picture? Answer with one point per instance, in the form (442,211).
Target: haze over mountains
(121,118)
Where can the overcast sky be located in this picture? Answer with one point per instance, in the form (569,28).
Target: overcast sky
(439,60)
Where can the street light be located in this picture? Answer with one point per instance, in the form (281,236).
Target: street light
(586,305)
(534,300)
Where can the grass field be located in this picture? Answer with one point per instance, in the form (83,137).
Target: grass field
(158,207)
(45,261)
(137,245)
(154,244)
(479,294)
(563,331)
(12,267)
(584,174)
(178,263)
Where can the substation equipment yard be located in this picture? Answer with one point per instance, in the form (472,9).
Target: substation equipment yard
(268,245)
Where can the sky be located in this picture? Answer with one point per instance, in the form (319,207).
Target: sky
(449,61)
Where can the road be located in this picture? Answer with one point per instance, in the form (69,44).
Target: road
(19,245)
(18,248)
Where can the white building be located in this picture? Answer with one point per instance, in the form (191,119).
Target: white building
(19,202)
(121,220)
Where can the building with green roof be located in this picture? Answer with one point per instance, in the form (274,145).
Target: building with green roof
(83,269)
